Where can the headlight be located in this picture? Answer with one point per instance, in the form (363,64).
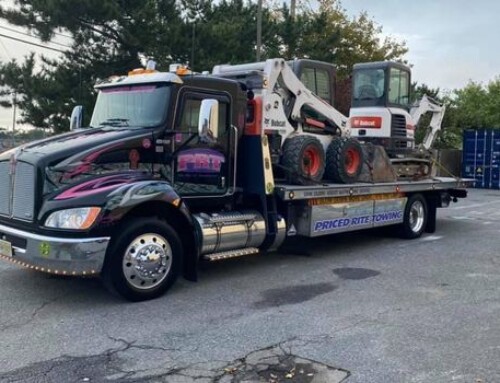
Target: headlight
(76,219)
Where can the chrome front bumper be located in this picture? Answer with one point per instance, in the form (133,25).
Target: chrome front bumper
(65,256)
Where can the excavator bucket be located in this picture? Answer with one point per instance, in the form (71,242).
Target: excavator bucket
(377,166)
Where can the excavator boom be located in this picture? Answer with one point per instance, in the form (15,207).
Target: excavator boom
(425,105)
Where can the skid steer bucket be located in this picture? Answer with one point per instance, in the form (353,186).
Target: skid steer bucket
(377,166)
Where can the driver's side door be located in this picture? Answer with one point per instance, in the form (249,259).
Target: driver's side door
(203,161)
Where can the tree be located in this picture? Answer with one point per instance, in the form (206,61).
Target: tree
(358,38)
(112,36)
(471,107)
(226,32)
(108,38)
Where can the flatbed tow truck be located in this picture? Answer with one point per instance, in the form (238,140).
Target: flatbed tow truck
(177,169)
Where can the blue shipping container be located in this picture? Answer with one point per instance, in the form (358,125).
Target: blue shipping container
(481,157)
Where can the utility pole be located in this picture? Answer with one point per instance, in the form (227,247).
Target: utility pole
(293,7)
(259,29)
(14,101)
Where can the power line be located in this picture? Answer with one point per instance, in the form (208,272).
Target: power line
(30,35)
(31,43)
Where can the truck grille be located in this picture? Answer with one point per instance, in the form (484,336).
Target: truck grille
(398,125)
(17,191)
(5,188)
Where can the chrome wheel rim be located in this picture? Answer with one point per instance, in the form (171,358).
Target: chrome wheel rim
(416,216)
(147,261)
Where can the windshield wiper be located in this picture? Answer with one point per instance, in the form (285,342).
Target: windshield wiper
(115,122)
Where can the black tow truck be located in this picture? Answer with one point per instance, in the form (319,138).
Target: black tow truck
(176,169)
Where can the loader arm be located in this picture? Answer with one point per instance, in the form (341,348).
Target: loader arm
(425,105)
(276,69)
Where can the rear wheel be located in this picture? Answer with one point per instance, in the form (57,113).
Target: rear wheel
(415,217)
(305,158)
(143,260)
(344,160)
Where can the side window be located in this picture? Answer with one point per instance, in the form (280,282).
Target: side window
(323,88)
(189,117)
(188,121)
(317,81)
(398,87)
(307,78)
(201,166)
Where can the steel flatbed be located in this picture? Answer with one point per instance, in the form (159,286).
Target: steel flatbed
(295,192)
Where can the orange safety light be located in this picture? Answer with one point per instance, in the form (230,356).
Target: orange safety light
(253,125)
(141,71)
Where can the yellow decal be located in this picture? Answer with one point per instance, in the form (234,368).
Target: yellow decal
(361,198)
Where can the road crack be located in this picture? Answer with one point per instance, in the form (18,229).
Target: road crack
(36,311)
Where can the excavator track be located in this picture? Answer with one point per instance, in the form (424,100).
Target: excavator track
(412,168)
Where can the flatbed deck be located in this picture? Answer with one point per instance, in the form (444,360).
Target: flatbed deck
(296,192)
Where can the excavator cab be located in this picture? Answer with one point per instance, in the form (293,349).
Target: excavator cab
(380,106)
(381,84)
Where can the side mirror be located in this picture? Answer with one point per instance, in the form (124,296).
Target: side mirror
(208,122)
(76,118)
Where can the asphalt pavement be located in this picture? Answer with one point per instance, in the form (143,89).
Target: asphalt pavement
(360,307)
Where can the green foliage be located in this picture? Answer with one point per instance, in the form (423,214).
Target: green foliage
(471,107)
(112,36)
(474,106)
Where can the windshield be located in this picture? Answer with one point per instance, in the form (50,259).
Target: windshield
(136,105)
(369,84)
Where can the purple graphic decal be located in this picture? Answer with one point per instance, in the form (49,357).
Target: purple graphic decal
(96,186)
(86,162)
(200,161)
(122,89)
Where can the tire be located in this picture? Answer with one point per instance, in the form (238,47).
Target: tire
(138,279)
(415,217)
(344,160)
(304,157)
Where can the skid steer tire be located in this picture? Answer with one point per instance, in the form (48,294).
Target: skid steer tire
(304,157)
(344,160)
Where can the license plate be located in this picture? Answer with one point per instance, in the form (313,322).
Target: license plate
(5,248)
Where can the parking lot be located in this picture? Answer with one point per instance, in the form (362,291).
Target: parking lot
(370,306)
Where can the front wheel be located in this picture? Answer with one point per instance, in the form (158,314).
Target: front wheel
(415,217)
(344,160)
(143,260)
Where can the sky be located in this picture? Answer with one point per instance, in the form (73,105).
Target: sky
(451,42)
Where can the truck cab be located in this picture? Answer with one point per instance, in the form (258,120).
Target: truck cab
(158,145)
